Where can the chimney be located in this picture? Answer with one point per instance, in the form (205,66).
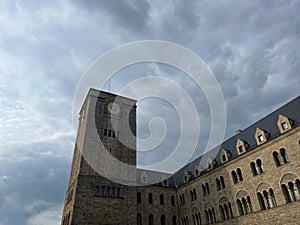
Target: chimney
(238,131)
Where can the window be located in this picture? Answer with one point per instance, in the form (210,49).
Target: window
(207,188)
(97,191)
(239,173)
(260,138)
(284,126)
(108,191)
(257,168)
(253,169)
(218,184)
(291,191)
(234,177)
(161,198)
(174,220)
(222,182)
(210,215)
(118,192)
(266,199)
(105,132)
(151,219)
(172,200)
(113,192)
(163,220)
(102,191)
(139,219)
(150,198)
(276,158)
(284,155)
(195,195)
(226,211)
(259,165)
(241,149)
(284,123)
(139,197)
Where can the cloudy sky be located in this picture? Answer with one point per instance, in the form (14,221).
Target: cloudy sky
(252,47)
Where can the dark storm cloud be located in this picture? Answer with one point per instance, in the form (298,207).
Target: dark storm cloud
(132,15)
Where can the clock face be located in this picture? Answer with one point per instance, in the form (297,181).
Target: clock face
(113,108)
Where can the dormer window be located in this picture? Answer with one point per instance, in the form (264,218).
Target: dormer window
(284,123)
(196,171)
(225,155)
(261,136)
(284,126)
(241,146)
(186,177)
(144,178)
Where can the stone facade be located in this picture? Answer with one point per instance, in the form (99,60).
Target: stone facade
(254,179)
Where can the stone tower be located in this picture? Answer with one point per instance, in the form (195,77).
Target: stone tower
(101,186)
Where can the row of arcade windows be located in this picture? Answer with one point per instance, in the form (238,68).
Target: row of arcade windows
(150,199)
(110,192)
(151,219)
(109,133)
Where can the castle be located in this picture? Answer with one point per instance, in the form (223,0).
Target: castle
(254,177)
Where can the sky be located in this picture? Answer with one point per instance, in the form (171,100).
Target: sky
(252,47)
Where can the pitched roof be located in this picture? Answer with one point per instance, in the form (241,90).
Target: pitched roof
(290,110)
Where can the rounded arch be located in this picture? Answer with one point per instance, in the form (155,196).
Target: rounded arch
(288,177)
(223,200)
(195,210)
(241,193)
(263,186)
(208,205)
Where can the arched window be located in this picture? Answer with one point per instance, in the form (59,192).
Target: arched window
(218,184)
(259,165)
(253,169)
(272,197)
(222,182)
(276,158)
(239,173)
(174,220)
(286,193)
(240,207)
(250,204)
(292,188)
(163,220)
(172,200)
(207,188)
(195,195)
(151,219)
(261,201)
(203,190)
(222,212)
(191,195)
(139,219)
(284,155)
(150,198)
(234,177)
(161,199)
(183,199)
(139,197)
